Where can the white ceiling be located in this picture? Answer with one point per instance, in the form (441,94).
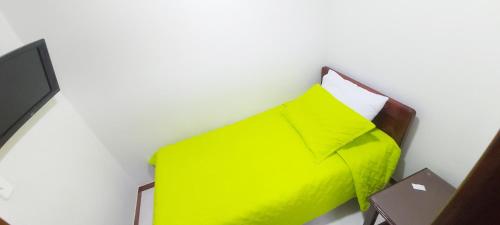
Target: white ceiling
(144,74)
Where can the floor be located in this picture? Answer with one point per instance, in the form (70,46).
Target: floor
(347,214)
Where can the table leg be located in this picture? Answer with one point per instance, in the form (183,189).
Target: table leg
(370,216)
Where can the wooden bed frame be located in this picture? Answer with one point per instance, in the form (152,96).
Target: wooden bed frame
(394,119)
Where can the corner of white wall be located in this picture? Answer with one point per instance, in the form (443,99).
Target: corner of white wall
(61,172)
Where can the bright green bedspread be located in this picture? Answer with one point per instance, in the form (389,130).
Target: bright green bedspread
(259,172)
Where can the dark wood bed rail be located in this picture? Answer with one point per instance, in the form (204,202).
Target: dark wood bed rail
(394,119)
(138,201)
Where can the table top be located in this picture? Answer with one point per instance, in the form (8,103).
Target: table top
(402,204)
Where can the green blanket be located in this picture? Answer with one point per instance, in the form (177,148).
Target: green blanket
(260,171)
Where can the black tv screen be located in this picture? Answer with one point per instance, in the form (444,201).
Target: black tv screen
(27,82)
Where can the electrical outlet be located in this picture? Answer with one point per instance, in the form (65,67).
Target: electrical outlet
(6,188)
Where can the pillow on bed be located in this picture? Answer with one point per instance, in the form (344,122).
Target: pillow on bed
(324,123)
(364,102)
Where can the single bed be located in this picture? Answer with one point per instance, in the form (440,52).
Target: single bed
(260,171)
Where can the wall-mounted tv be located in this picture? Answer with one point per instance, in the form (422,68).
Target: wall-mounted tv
(27,82)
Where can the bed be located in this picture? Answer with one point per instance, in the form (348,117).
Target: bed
(260,171)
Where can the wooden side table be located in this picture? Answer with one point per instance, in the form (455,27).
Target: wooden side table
(415,200)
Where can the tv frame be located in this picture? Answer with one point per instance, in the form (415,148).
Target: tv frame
(43,52)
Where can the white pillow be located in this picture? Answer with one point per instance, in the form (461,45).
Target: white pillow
(364,102)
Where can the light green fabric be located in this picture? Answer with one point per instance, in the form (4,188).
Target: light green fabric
(372,159)
(325,123)
(260,172)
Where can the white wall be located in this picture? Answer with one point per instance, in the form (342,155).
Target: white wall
(148,73)
(441,57)
(61,172)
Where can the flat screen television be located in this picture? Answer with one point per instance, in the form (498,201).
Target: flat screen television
(27,82)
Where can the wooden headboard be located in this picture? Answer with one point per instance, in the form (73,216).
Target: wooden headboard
(394,119)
